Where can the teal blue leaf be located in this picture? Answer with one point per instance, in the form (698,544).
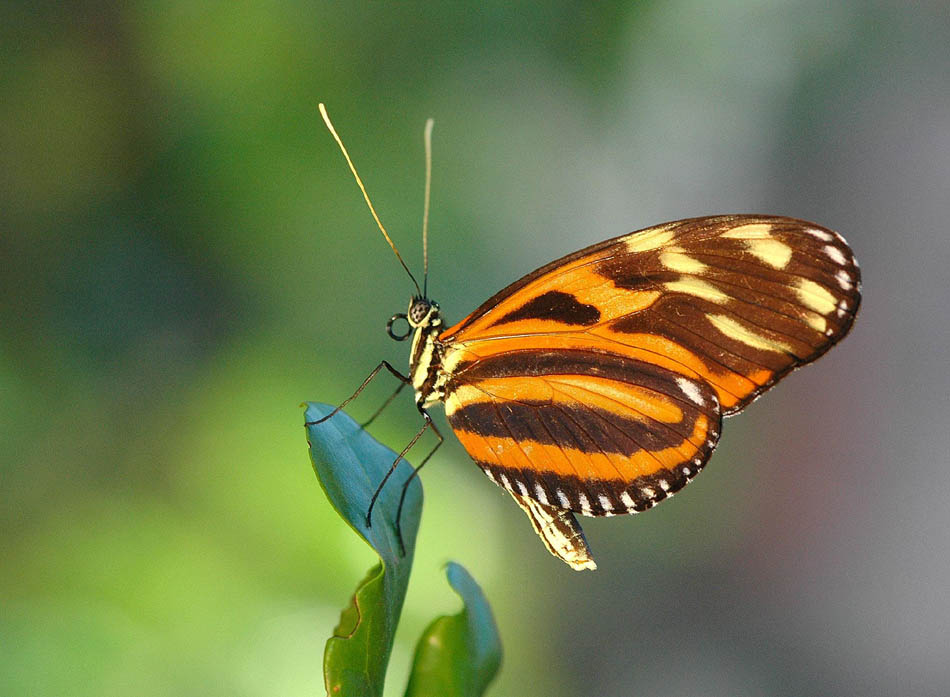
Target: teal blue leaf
(350,464)
(458,655)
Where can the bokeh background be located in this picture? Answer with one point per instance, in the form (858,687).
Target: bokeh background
(185,258)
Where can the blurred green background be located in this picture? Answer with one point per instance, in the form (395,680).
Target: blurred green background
(185,258)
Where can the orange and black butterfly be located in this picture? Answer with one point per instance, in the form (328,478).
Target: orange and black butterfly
(597,384)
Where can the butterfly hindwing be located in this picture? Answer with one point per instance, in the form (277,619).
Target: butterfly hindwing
(597,382)
(590,432)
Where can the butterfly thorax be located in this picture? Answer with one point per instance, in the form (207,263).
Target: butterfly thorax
(425,355)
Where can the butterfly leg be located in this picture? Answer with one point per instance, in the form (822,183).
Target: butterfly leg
(385,404)
(385,364)
(415,472)
(372,501)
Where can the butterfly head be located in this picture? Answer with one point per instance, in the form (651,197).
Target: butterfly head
(422,314)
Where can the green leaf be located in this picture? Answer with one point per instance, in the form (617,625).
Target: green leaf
(350,464)
(458,655)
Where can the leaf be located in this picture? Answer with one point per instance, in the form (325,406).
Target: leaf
(458,655)
(350,464)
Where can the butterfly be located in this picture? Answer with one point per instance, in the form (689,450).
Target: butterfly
(597,384)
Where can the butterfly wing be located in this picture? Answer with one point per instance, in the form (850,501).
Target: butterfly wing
(596,383)
(591,432)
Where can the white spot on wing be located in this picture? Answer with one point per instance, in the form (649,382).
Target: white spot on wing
(815,296)
(676,259)
(691,390)
(542,496)
(562,498)
(820,234)
(605,503)
(699,288)
(773,252)
(816,321)
(505,482)
(835,254)
(750,231)
(665,485)
(627,501)
(844,280)
(521,487)
(585,504)
(737,331)
(648,239)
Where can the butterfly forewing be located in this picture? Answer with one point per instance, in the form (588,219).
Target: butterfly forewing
(596,383)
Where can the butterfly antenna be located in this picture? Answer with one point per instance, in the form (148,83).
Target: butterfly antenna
(425,210)
(359,182)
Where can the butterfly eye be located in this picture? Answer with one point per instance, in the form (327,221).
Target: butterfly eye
(389,327)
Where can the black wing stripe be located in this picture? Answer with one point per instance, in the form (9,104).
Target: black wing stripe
(516,420)
(649,424)
(554,306)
